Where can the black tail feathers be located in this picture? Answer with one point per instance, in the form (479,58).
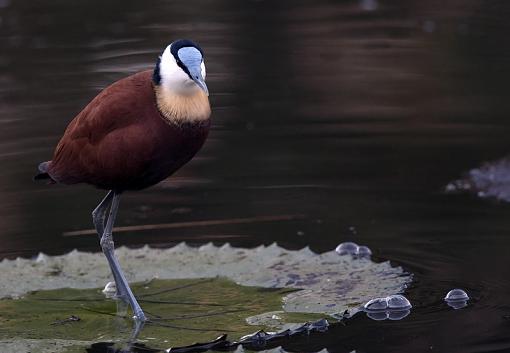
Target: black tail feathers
(43,172)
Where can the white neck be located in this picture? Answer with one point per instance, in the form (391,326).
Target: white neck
(173,78)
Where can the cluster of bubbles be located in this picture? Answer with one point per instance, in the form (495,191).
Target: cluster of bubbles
(350,248)
(393,307)
(397,307)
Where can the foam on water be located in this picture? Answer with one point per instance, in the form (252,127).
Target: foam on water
(490,180)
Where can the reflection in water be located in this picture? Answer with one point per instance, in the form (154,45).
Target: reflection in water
(129,343)
(110,347)
(353,118)
(388,315)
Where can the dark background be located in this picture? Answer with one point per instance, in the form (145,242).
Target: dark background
(353,114)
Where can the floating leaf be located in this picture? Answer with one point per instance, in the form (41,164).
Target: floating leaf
(200,294)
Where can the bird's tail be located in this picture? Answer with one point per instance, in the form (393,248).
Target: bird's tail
(43,172)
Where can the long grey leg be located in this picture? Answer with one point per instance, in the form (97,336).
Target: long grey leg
(99,218)
(99,213)
(108,250)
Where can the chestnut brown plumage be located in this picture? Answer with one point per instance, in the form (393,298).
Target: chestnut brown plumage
(121,141)
(132,135)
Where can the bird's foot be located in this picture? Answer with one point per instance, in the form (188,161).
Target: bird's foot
(139,316)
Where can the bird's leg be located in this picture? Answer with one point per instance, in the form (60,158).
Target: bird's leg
(99,219)
(99,213)
(108,250)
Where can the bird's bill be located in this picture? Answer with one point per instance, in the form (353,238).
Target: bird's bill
(196,76)
(201,83)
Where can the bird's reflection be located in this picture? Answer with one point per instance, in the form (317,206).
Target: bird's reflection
(110,347)
(129,344)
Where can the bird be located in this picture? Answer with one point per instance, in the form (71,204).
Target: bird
(135,133)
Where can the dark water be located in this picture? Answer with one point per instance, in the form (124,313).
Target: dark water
(354,118)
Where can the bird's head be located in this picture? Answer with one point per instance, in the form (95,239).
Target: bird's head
(181,68)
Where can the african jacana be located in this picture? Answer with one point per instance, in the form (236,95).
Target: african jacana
(132,135)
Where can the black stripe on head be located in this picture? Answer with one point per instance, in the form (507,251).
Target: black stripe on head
(156,77)
(174,49)
(183,43)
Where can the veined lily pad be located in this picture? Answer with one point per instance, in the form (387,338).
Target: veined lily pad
(245,287)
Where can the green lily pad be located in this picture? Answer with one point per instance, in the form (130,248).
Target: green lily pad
(182,311)
(192,294)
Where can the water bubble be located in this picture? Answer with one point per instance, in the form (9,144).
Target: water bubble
(350,248)
(456,298)
(456,295)
(393,307)
(398,302)
(110,290)
(376,304)
(347,248)
(364,251)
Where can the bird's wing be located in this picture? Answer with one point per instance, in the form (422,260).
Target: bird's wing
(104,139)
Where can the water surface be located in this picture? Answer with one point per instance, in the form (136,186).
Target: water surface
(351,120)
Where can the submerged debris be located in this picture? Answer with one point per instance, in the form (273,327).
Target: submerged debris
(256,340)
(278,349)
(72,318)
(456,298)
(218,343)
